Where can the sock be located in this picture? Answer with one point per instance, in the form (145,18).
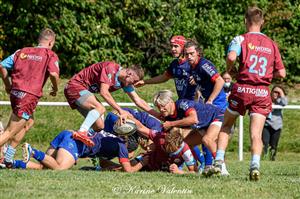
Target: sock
(199,156)
(90,119)
(38,155)
(19,164)
(220,155)
(255,161)
(207,155)
(10,153)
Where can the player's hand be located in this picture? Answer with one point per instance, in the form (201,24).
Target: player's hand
(123,115)
(174,168)
(209,102)
(53,92)
(167,125)
(192,80)
(139,83)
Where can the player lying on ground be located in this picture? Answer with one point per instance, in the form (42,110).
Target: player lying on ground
(64,151)
(167,152)
(205,120)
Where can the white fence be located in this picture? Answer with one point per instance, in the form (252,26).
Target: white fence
(241,120)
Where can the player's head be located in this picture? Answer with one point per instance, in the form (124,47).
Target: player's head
(164,102)
(192,51)
(47,38)
(177,44)
(131,75)
(227,79)
(254,17)
(173,140)
(277,91)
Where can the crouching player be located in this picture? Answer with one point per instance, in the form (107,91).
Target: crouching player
(205,120)
(64,151)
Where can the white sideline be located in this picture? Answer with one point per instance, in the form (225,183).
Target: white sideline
(241,120)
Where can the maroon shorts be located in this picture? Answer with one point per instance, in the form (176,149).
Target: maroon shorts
(23,104)
(72,93)
(256,99)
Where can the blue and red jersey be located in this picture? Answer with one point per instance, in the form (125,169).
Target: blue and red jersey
(181,72)
(206,113)
(204,74)
(146,119)
(107,146)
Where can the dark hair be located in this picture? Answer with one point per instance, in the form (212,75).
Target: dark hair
(281,87)
(254,15)
(190,42)
(138,70)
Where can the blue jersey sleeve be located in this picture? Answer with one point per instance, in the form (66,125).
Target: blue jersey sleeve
(123,152)
(235,45)
(128,89)
(8,63)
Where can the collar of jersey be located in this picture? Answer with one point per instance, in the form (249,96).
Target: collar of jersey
(178,151)
(259,33)
(117,82)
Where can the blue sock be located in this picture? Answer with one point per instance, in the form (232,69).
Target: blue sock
(90,119)
(207,155)
(10,153)
(19,164)
(200,156)
(220,155)
(255,161)
(38,155)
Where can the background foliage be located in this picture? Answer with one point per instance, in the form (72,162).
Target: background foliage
(132,31)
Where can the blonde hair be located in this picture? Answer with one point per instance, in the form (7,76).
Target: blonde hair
(46,34)
(173,140)
(162,97)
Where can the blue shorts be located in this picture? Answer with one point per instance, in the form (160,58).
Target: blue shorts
(64,140)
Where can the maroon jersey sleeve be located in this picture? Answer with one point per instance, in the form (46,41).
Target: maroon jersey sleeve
(53,66)
(108,73)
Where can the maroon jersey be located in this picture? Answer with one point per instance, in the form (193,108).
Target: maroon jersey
(92,76)
(160,160)
(31,69)
(259,57)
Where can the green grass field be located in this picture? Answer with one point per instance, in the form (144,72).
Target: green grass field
(280,179)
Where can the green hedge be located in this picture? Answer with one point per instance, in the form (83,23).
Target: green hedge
(137,31)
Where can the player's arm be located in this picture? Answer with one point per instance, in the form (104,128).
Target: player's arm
(7,63)
(190,119)
(127,167)
(54,78)
(104,92)
(5,78)
(142,104)
(174,169)
(219,83)
(230,60)
(154,80)
(280,73)
(143,130)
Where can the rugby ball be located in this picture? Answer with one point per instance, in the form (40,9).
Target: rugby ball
(126,129)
